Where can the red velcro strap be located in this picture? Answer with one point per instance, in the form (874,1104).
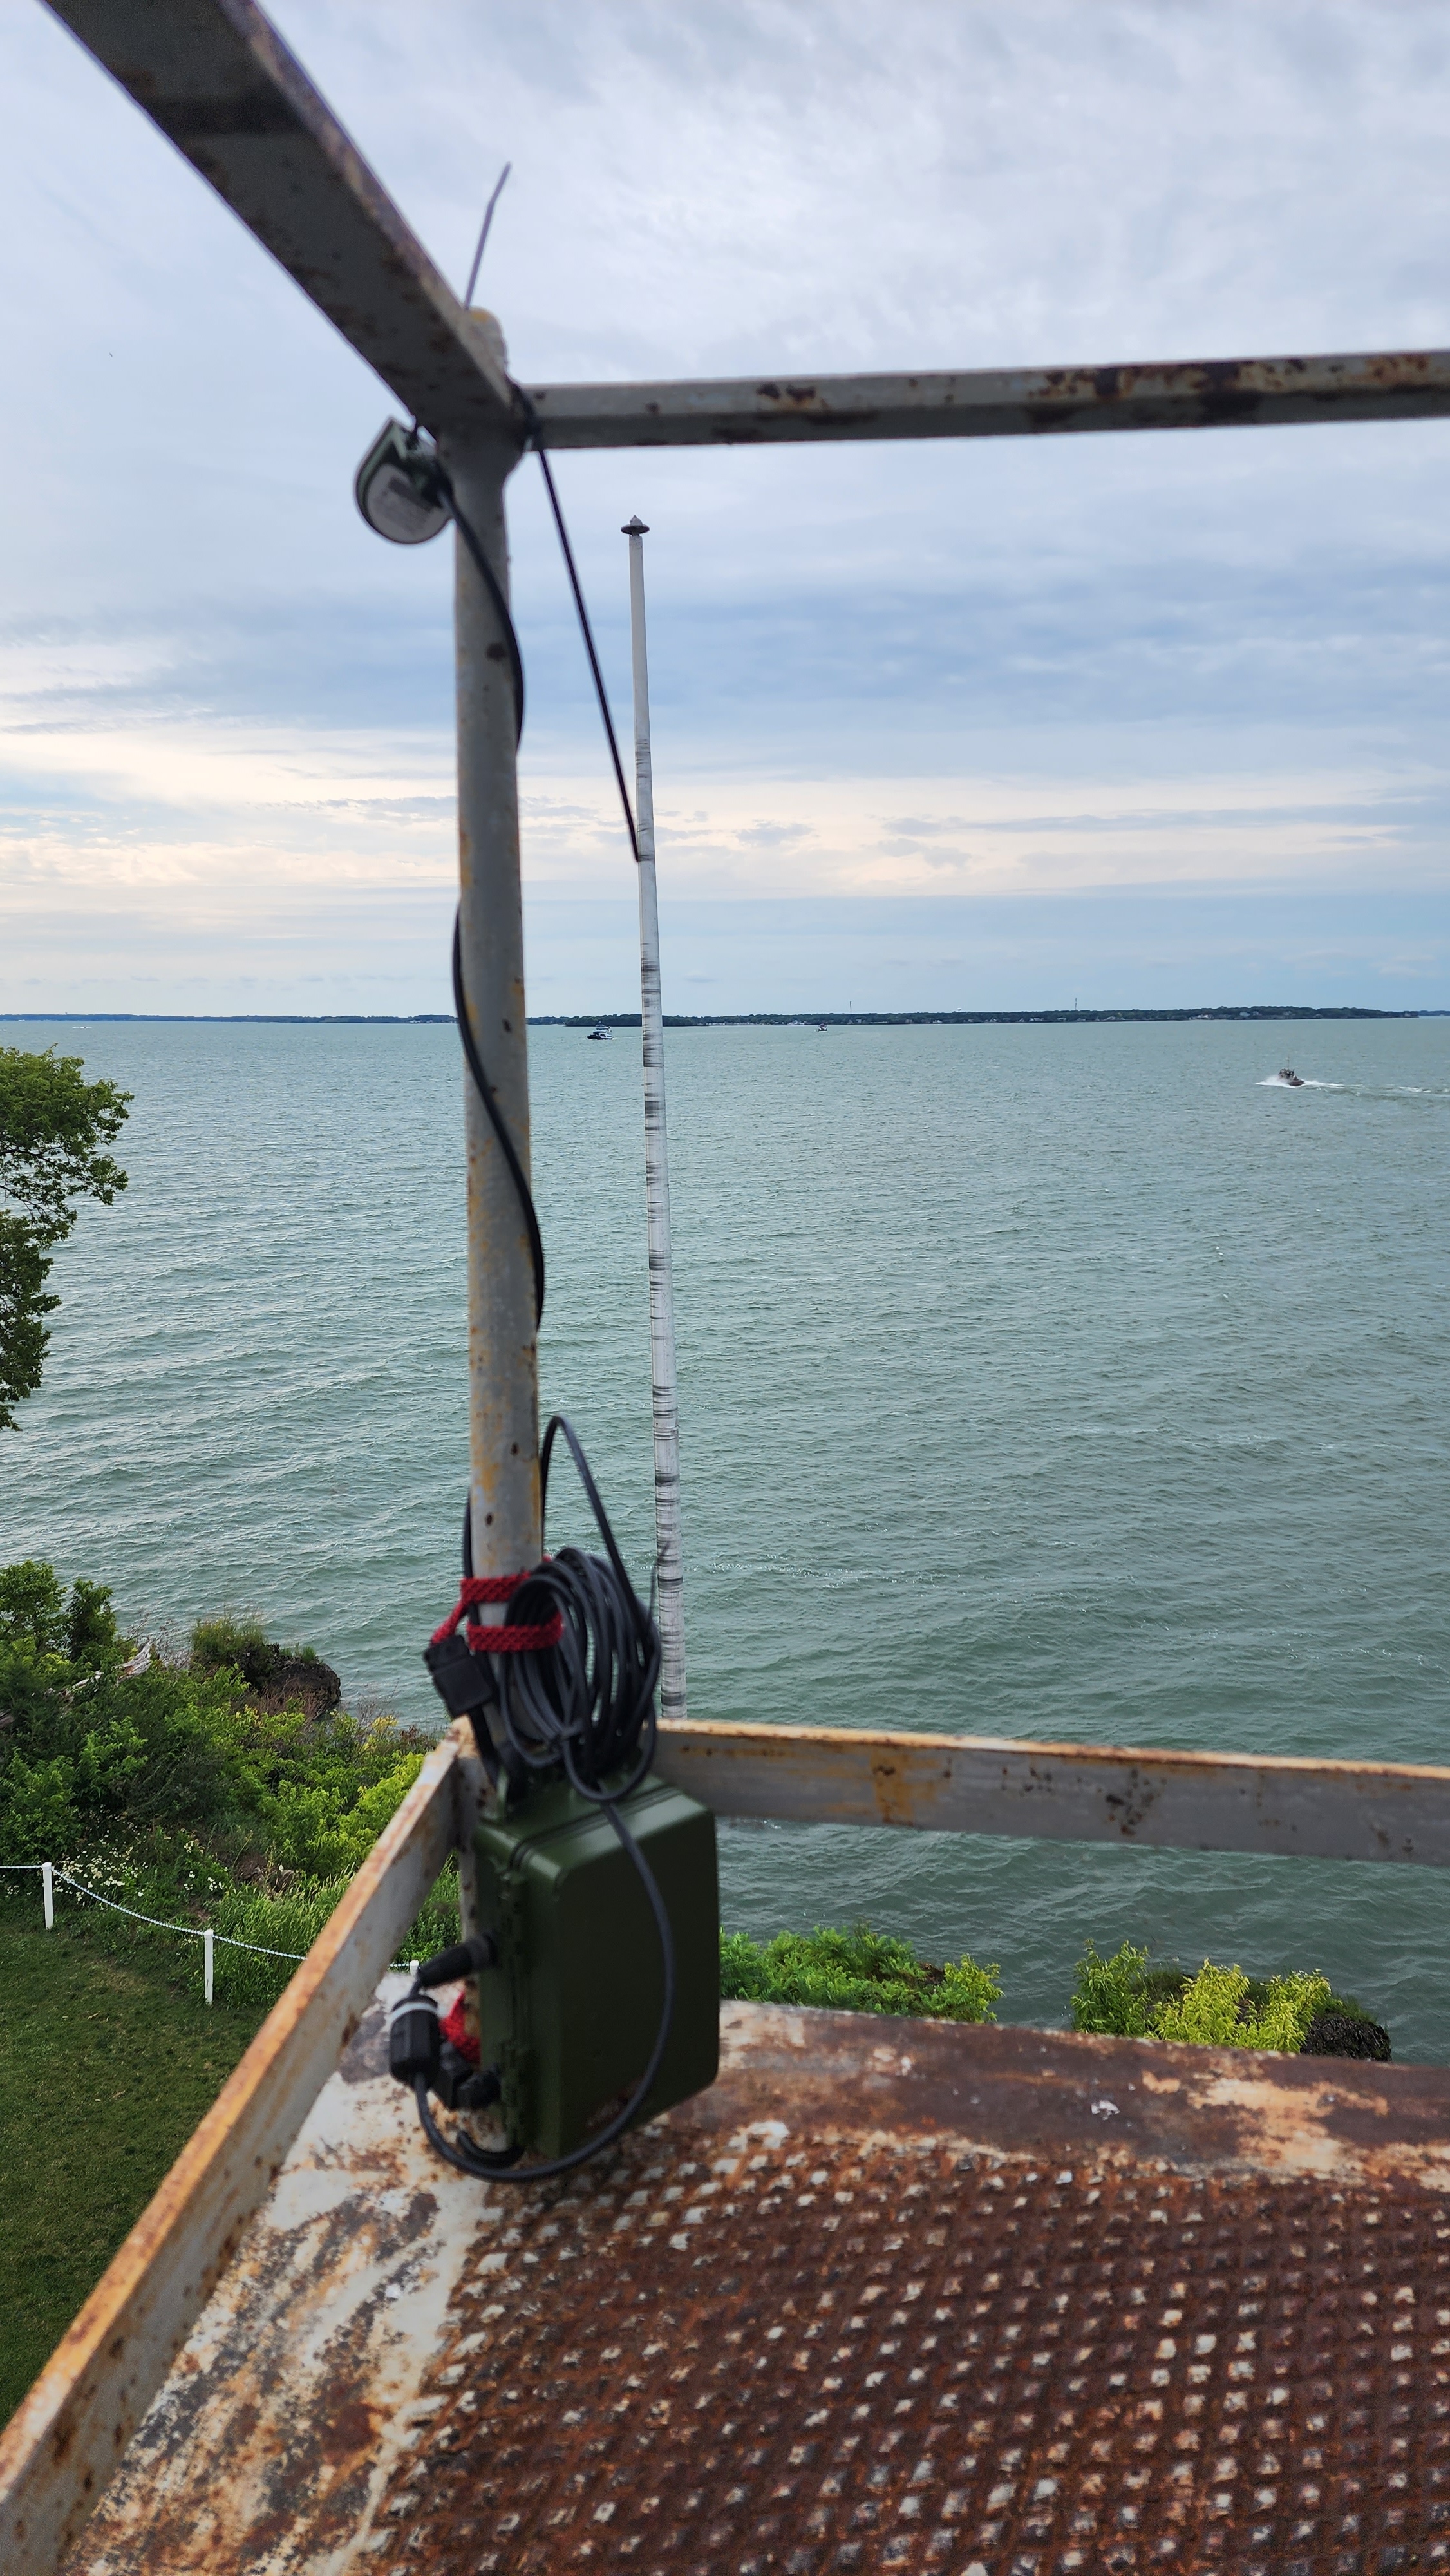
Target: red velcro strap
(518,1639)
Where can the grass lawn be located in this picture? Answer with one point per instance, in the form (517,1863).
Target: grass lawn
(107,2063)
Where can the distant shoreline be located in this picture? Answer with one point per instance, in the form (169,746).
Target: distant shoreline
(722,1019)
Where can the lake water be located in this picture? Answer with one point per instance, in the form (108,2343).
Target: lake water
(1046,1381)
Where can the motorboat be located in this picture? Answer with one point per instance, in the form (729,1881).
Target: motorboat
(600,1032)
(1294,1080)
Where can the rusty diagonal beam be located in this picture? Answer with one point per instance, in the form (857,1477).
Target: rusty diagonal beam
(218,80)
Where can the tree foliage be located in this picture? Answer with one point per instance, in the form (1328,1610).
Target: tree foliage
(91,1750)
(54,1128)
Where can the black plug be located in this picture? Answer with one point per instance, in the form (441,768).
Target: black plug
(463,1680)
(464,1960)
(481,2090)
(462,2086)
(413,2040)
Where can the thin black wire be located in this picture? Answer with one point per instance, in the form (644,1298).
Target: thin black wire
(585,629)
(495,1119)
(587,1703)
(484,1087)
(494,588)
(483,236)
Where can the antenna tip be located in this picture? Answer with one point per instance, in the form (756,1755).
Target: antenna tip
(635,527)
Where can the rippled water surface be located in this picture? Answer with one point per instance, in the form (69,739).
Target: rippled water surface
(1054,1381)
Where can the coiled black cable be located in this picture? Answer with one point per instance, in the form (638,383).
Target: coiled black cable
(586,1706)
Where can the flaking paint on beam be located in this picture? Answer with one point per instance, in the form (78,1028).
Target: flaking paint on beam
(1066,1792)
(1024,402)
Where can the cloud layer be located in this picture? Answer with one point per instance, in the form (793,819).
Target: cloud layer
(1165,672)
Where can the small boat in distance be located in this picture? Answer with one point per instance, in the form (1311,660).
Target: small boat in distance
(1293,1079)
(600,1032)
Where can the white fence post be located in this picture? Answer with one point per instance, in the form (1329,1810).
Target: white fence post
(47,1890)
(208,1955)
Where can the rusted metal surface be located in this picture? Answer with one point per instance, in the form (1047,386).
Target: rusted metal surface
(301,2373)
(985,1784)
(999,402)
(1194,2110)
(67,2437)
(826,2354)
(217,79)
(892,2295)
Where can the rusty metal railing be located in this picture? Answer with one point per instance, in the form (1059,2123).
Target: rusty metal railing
(70,2432)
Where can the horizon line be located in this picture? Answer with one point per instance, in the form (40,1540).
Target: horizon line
(741,1019)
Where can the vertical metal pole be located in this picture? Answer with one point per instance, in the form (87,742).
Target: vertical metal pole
(502,1345)
(208,1965)
(671,1574)
(47,1891)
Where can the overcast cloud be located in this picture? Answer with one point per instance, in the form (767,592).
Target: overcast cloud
(1141,719)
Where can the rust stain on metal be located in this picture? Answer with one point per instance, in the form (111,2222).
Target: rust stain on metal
(892,2295)
(804,2352)
(1091,1792)
(276,2428)
(67,2435)
(896,1794)
(997,403)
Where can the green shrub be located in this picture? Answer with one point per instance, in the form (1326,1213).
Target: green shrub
(169,1791)
(1217,2008)
(37,1814)
(855,1971)
(225,1640)
(1110,1993)
(89,1750)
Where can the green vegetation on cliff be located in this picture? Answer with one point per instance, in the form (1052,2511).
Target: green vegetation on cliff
(228,1788)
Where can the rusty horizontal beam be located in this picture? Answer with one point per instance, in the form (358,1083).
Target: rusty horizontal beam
(215,76)
(984,1784)
(68,2435)
(1017,402)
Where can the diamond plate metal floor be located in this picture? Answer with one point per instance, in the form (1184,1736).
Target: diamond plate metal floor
(806,2354)
(896,2296)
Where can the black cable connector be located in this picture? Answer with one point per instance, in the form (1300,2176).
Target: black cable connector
(414,2043)
(462,1679)
(464,1959)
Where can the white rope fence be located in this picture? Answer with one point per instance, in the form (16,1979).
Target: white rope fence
(49,1874)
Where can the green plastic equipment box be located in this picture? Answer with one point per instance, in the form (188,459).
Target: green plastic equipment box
(570,2014)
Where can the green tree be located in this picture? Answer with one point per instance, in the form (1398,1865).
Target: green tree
(54,1127)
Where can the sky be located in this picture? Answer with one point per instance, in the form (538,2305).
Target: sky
(1143,720)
